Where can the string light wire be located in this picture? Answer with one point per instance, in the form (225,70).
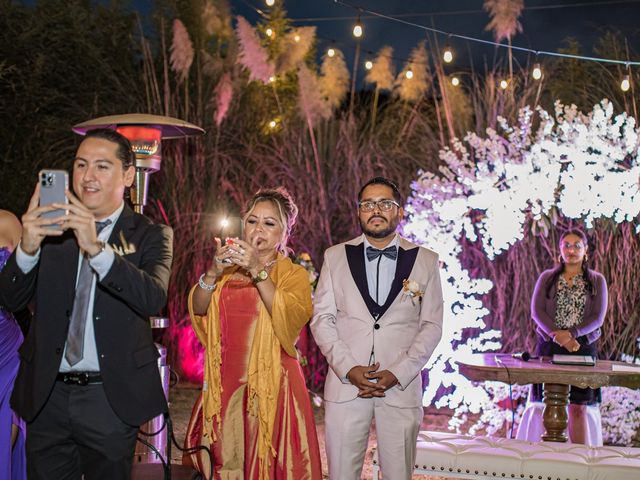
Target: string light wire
(627,63)
(470,11)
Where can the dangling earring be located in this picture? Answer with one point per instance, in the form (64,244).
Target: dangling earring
(586,258)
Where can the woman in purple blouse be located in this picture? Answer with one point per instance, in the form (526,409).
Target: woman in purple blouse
(568,306)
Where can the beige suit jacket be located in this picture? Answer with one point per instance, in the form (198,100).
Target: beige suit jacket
(344,318)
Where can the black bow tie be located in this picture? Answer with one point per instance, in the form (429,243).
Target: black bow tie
(389,252)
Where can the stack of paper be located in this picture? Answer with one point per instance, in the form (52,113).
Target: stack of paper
(616,367)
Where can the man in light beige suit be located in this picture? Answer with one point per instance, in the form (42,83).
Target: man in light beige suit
(377,318)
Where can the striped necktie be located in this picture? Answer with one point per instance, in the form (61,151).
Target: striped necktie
(75,338)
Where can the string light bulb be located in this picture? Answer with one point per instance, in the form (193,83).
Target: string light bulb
(504,84)
(625,85)
(447,54)
(269,32)
(357,29)
(368,64)
(296,38)
(409,74)
(273,124)
(455,81)
(269,2)
(331,52)
(272,79)
(537,72)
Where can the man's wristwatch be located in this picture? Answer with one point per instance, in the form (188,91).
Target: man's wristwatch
(103,246)
(261,276)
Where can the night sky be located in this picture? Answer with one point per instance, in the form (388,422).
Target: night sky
(545,24)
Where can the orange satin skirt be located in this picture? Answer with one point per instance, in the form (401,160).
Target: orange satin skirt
(235,452)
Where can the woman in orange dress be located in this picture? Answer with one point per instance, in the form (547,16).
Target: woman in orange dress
(247,310)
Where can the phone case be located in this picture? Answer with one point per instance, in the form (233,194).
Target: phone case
(53,184)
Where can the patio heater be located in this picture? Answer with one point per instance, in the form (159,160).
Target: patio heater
(146,132)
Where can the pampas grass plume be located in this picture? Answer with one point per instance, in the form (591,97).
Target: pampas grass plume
(252,55)
(504,17)
(382,71)
(293,53)
(412,89)
(181,50)
(216,20)
(224,93)
(310,100)
(334,81)
(460,105)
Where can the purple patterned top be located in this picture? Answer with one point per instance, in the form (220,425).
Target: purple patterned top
(543,309)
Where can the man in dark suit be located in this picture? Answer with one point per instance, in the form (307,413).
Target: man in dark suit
(88,375)
(377,318)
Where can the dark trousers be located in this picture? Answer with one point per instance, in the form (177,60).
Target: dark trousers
(77,433)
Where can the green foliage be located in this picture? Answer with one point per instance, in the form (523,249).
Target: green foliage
(63,62)
(277,20)
(567,79)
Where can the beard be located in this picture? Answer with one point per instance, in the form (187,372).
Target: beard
(385,232)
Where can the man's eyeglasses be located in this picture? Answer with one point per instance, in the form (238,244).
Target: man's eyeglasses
(383,205)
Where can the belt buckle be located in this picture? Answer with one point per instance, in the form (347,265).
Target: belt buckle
(81,379)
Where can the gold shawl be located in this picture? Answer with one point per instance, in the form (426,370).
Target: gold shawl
(291,310)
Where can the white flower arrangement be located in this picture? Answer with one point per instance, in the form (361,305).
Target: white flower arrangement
(570,165)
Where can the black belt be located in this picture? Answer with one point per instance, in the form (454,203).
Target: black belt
(79,378)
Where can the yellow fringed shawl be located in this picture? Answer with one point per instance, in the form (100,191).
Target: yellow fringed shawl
(291,310)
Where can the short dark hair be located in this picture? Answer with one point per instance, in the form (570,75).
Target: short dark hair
(397,196)
(124,152)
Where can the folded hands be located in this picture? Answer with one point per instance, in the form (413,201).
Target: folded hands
(565,339)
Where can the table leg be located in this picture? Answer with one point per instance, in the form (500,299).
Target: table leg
(554,417)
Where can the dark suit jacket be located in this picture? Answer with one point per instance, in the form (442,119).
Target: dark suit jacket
(134,289)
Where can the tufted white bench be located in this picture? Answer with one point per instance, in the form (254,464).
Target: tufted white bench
(461,456)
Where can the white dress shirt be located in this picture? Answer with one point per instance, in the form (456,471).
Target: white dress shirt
(386,274)
(101,264)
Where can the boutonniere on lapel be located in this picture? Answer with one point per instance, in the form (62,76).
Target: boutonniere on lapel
(411,289)
(125,248)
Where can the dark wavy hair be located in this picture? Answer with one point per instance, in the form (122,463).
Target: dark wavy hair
(397,196)
(286,207)
(124,152)
(587,274)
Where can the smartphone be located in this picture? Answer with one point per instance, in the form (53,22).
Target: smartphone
(53,184)
(231,228)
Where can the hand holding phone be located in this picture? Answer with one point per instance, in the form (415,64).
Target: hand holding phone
(39,221)
(228,243)
(231,230)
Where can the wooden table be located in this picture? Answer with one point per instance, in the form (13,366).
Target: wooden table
(556,379)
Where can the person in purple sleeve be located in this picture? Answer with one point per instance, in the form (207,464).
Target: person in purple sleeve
(568,307)
(12,428)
